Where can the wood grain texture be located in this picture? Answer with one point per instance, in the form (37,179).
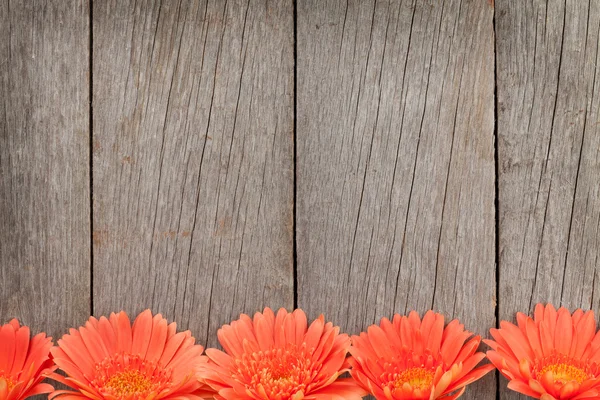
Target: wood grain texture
(548,123)
(395,162)
(193,159)
(44,164)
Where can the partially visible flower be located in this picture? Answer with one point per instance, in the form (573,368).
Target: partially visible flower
(24,363)
(110,359)
(553,356)
(413,359)
(280,358)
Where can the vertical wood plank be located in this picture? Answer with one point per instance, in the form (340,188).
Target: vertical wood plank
(193,159)
(395,162)
(44,164)
(548,123)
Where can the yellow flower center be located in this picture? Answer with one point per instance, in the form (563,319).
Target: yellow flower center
(278,373)
(565,369)
(126,376)
(564,373)
(417,377)
(126,383)
(9,382)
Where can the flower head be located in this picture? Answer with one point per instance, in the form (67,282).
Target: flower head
(280,358)
(24,363)
(411,358)
(553,356)
(110,359)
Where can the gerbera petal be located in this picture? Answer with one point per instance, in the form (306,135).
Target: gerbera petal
(586,328)
(77,352)
(314,332)
(109,359)
(171,347)
(561,364)
(564,324)
(122,325)
(229,340)
(413,359)
(533,336)
(40,388)
(264,333)
(7,347)
(546,339)
(434,339)
(107,334)
(516,340)
(93,342)
(550,317)
(522,387)
(378,341)
(288,361)
(24,362)
(21,348)
(158,339)
(142,331)
(345,389)
(301,325)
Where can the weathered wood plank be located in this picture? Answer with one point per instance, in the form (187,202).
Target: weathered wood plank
(44,164)
(548,122)
(193,159)
(395,161)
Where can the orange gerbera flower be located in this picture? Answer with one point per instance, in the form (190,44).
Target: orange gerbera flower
(110,359)
(279,358)
(553,356)
(413,359)
(24,363)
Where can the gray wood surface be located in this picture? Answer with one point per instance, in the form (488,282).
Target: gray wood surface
(193,159)
(395,162)
(44,164)
(548,122)
(194,173)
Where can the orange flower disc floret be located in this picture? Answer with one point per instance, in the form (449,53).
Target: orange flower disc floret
(280,358)
(417,377)
(280,372)
(411,358)
(563,369)
(24,362)
(553,356)
(110,359)
(120,376)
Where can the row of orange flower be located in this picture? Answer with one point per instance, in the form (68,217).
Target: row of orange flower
(281,356)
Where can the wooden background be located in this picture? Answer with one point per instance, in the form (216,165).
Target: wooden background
(356,158)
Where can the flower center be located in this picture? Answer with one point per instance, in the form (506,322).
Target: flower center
(127,376)
(280,372)
(417,377)
(564,369)
(9,382)
(565,373)
(128,382)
